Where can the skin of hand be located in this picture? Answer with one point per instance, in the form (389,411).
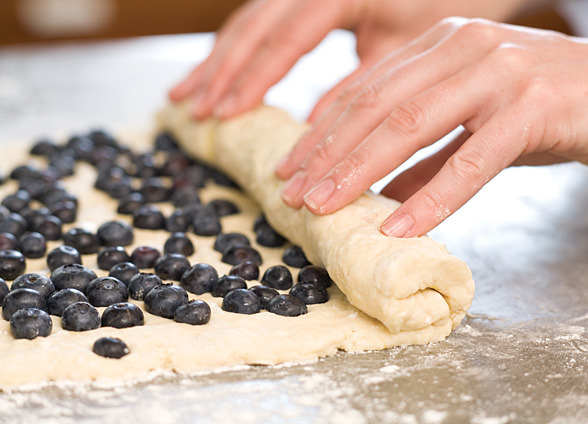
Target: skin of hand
(263,39)
(514,95)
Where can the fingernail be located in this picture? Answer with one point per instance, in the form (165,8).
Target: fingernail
(319,194)
(226,107)
(292,188)
(397,225)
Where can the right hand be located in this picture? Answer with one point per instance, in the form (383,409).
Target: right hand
(263,39)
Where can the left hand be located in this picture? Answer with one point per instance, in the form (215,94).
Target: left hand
(518,94)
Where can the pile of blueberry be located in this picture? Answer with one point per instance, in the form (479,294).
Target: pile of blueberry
(37,211)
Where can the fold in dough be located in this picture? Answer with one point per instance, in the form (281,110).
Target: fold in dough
(413,286)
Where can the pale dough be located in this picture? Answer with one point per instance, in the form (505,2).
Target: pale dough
(414,286)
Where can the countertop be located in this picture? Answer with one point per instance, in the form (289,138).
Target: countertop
(520,355)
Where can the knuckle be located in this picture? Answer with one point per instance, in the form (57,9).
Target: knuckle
(367,97)
(478,30)
(352,165)
(511,58)
(406,119)
(347,94)
(468,165)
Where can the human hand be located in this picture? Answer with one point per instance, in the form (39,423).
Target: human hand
(263,39)
(519,96)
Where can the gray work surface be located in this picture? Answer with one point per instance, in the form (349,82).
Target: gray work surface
(520,355)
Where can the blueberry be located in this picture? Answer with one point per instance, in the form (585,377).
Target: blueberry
(20,299)
(226,240)
(314,274)
(287,306)
(37,282)
(43,147)
(206,225)
(176,162)
(17,201)
(179,242)
(237,254)
(278,277)
(265,294)
(268,237)
(3,290)
(140,284)
(195,312)
(115,233)
(164,299)
(145,165)
(226,283)
(221,179)
(185,196)
(164,141)
(12,264)
(295,257)
(171,266)
(310,293)
(61,299)
(83,240)
(72,276)
(122,315)
(33,245)
(178,221)
(130,204)
(199,278)
(110,256)
(106,291)
(62,255)
(241,301)
(13,224)
(80,316)
(29,323)
(65,210)
(82,146)
(149,217)
(124,271)
(110,347)
(247,270)
(145,256)
(50,227)
(9,241)
(154,190)
(223,207)
(259,221)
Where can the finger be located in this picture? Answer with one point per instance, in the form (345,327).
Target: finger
(484,155)
(414,178)
(370,107)
(279,53)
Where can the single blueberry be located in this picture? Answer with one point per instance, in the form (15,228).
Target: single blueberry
(310,293)
(50,227)
(195,312)
(145,256)
(29,323)
(16,202)
(314,274)
(130,204)
(295,257)
(268,237)
(140,284)
(171,266)
(73,276)
(223,207)
(179,242)
(164,141)
(122,315)
(154,190)
(9,241)
(65,210)
(278,277)
(110,256)
(199,278)
(124,271)
(106,291)
(13,224)
(178,221)
(110,347)
(84,241)
(247,270)
(287,306)
(164,299)
(61,299)
(225,284)
(149,217)
(115,233)
(3,290)
(20,299)
(265,294)
(237,254)
(12,264)
(206,225)
(80,316)
(241,301)
(225,241)
(37,282)
(62,255)
(33,245)
(185,195)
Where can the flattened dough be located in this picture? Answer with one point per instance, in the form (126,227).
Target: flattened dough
(413,286)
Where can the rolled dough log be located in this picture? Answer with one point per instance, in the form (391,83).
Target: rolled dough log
(413,286)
